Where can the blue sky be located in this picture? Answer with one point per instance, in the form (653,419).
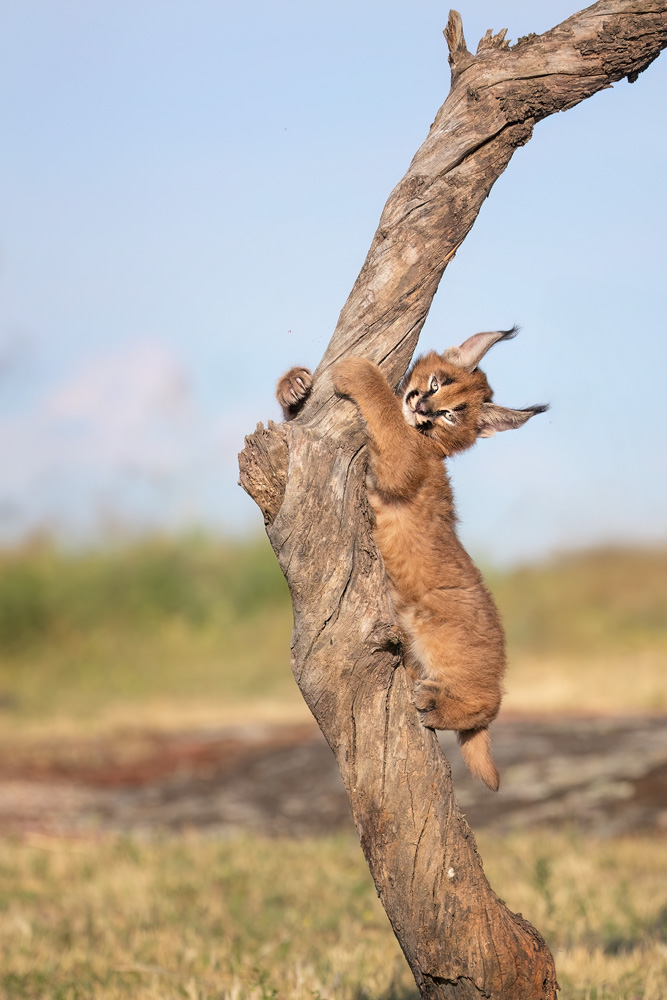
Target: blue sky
(187,193)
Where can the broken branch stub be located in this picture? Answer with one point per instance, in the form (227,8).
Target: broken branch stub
(460,940)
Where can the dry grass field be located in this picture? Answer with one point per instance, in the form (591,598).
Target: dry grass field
(256,919)
(169,634)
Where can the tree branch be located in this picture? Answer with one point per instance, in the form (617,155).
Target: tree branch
(495,101)
(308,477)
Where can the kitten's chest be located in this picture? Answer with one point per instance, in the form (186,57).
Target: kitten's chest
(409,537)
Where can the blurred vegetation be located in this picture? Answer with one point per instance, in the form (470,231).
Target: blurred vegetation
(586,602)
(254,919)
(48,595)
(587,632)
(195,619)
(161,618)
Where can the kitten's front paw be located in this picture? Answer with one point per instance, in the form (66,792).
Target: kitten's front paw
(293,389)
(349,373)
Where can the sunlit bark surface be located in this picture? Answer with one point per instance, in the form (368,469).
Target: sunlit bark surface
(307,476)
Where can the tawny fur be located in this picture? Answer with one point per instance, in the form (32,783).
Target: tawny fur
(453,637)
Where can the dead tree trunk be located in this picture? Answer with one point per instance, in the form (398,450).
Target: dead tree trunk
(460,940)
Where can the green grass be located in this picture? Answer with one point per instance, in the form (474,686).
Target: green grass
(259,919)
(47,594)
(185,621)
(203,625)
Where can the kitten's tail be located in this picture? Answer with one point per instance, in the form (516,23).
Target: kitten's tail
(476,752)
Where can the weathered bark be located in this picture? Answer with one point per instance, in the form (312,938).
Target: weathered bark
(460,940)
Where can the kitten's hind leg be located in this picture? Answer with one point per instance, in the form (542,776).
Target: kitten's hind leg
(455,688)
(440,708)
(438,711)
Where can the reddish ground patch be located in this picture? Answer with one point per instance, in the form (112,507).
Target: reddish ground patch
(604,775)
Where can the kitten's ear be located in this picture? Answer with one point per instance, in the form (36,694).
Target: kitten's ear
(495,418)
(472,350)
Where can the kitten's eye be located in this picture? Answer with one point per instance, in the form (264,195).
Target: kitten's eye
(435,385)
(449,416)
(460,407)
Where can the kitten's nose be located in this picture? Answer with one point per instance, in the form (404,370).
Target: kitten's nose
(421,406)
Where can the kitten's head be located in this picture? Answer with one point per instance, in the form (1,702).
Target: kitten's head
(448,399)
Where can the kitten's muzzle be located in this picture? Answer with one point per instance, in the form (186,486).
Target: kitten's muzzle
(423,418)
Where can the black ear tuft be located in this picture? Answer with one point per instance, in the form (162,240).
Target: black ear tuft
(493,418)
(510,334)
(536,408)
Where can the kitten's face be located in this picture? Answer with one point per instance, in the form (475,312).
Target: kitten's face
(444,402)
